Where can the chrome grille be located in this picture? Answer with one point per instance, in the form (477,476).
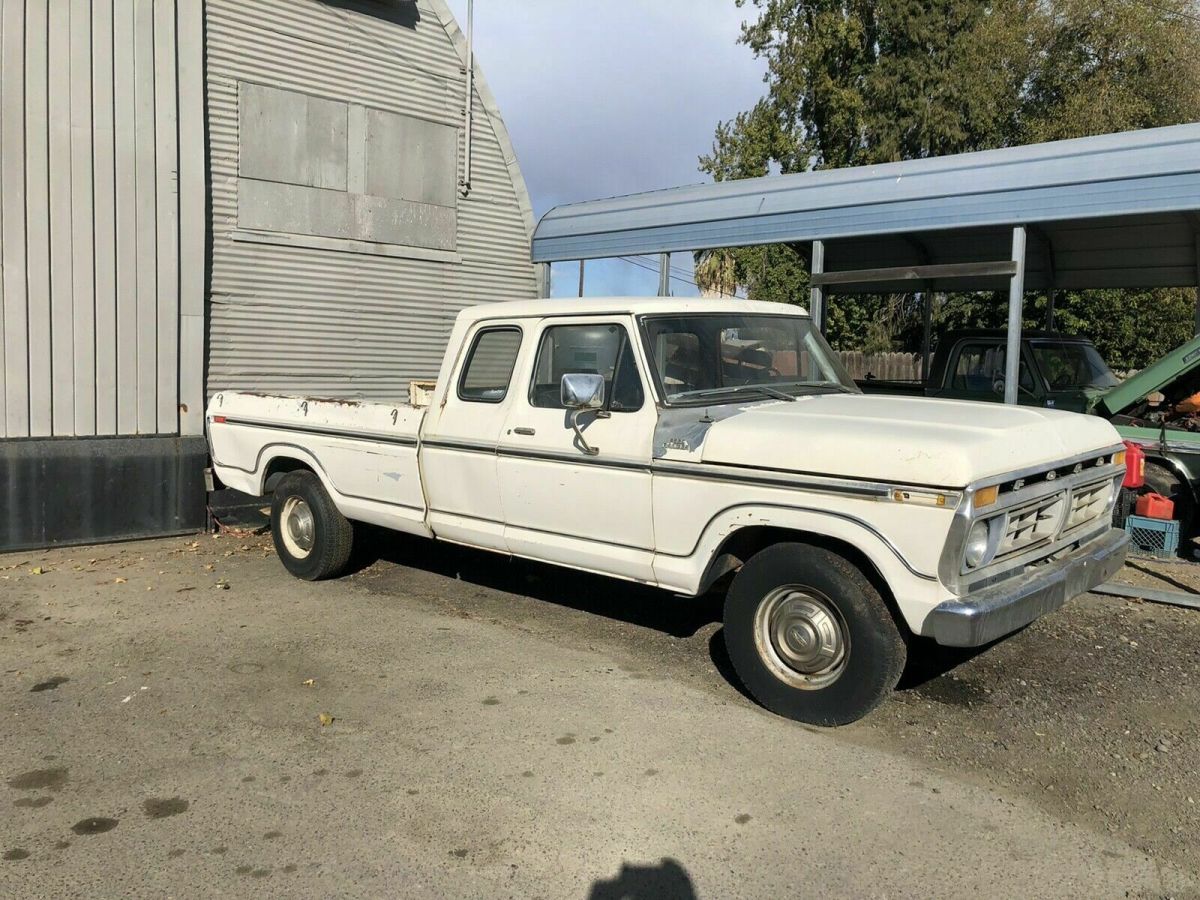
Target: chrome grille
(1031,524)
(1089,503)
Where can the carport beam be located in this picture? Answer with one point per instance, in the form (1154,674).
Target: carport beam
(1016,296)
(816,298)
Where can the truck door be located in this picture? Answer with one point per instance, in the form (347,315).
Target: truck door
(458,443)
(561,504)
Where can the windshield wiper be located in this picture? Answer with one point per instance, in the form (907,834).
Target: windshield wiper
(717,392)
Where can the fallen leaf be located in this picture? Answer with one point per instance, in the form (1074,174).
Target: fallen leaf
(309,682)
(326,719)
(120,580)
(37,570)
(223,585)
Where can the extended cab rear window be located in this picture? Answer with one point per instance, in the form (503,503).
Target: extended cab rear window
(489,366)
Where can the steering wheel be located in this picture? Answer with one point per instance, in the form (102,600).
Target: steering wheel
(745,363)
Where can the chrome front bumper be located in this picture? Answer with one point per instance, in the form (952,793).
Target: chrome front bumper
(993,612)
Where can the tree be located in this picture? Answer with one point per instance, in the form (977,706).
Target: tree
(857,82)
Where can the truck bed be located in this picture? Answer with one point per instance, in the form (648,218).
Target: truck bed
(364,451)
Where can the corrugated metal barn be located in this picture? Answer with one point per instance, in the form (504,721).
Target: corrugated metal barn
(285,195)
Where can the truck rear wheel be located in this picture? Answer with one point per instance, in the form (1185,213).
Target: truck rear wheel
(810,636)
(311,536)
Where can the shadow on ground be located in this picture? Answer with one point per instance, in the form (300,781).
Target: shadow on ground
(666,881)
(625,601)
(622,601)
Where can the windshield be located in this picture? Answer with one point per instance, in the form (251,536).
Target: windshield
(700,356)
(1068,366)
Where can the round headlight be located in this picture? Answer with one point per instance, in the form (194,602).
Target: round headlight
(977,545)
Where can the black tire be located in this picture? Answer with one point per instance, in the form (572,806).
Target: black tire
(329,539)
(874,649)
(1161,480)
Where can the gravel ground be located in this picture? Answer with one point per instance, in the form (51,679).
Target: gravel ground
(1082,724)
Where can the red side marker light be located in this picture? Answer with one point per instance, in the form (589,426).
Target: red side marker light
(218,420)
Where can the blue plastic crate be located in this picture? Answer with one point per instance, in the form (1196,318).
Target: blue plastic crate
(1153,537)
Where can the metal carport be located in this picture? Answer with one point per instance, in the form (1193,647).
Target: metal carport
(1114,211)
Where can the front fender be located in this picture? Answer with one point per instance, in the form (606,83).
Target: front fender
(915,590)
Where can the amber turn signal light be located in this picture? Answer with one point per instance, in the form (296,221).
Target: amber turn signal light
(986,496)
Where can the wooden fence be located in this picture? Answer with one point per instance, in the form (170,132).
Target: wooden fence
(888,366)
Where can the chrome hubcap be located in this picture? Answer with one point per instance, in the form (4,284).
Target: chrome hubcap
(801,637)
(299,527)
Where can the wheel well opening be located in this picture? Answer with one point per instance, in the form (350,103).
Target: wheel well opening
(280,466)
(742,544)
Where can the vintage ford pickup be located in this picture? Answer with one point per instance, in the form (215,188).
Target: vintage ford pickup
(680,442)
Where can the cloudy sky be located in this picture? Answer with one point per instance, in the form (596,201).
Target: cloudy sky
(610,97)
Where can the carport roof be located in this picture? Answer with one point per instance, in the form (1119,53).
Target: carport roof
(1118,210)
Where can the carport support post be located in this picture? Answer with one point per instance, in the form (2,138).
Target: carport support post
(664,274)
(542,274)
(927,332)
(1016,297)
(816,298)
(1198,284)
(581,278)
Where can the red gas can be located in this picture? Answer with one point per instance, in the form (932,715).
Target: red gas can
(1135,466)
(1155,506)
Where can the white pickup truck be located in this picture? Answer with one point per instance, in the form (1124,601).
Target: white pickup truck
(673,442)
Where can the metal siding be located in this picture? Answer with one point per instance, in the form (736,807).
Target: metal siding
(166,157)
(83,288)
(62,309)
(3,326)
(125,121)
(13,325)
(104,186)
(322,321)
(90,215)
(146,211)
(37,217)
(193,216)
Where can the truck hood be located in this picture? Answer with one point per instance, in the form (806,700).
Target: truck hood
(1153,378)
(908,440)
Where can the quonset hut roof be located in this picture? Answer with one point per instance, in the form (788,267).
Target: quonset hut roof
(1118,210)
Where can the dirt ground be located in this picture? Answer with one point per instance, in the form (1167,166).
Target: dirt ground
(1083,724)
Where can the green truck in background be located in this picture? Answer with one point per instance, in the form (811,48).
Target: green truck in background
(1150,408)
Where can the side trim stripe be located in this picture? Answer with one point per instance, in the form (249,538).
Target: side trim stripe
(399,440)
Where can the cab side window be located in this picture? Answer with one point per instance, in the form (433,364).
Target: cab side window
(489,365)
(591,350)
(980,370)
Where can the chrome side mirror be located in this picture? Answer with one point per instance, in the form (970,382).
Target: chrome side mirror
(581,392)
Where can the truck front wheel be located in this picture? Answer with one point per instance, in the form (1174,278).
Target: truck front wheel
(311,536)
(810,636)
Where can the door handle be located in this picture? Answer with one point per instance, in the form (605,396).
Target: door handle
(525,431)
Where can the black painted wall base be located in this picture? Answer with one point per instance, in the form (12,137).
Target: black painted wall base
(84,490)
